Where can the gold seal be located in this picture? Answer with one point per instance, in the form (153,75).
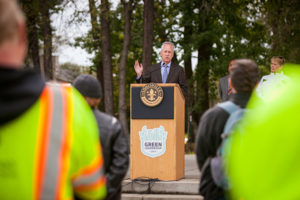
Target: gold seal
(151,94)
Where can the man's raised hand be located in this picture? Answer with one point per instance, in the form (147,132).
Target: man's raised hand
(138,68)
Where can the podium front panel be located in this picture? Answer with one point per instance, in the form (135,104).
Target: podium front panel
(165,110)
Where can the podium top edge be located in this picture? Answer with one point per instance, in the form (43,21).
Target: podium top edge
(160,84)
(132,85)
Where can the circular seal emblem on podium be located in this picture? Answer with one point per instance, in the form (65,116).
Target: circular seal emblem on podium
(151,94)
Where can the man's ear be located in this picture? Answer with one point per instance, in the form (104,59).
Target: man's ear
(22,33)
(230,83)
(97,102)
(22,39)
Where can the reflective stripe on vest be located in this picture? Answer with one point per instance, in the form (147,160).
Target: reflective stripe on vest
(90,177)
(54,142)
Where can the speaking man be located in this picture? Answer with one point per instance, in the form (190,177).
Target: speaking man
(164,71)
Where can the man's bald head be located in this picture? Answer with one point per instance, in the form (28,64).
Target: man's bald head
(13,37)
(10,18)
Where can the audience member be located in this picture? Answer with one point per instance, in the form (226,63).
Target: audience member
(112,136)
(273,80)
(243,77)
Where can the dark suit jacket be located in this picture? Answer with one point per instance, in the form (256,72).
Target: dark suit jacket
(223,88)
(176,75)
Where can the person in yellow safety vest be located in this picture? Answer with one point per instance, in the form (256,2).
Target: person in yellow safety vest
(262,158)
(49,146)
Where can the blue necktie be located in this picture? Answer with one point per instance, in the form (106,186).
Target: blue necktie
(164,74)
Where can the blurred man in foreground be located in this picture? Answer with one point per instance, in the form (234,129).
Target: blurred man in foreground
(244,76)
(48,137)
(112,136)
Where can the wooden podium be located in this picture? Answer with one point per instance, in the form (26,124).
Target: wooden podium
(157,135)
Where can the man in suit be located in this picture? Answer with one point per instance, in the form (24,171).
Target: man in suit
(163,72)
(225,88)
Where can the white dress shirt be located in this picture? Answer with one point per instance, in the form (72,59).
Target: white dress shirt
(269,83)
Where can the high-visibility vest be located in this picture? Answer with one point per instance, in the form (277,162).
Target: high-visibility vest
(52,150)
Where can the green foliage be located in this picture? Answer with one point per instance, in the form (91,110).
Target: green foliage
(221,30)
(282,19)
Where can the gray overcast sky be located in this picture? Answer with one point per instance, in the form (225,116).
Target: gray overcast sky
(68,32)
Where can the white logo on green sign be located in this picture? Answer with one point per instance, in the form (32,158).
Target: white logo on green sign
(153,141)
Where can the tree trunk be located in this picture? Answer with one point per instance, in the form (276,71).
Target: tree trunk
(204,51)
(95,25)
(99,72)
(122,73)
(187,47)
(203,58)
(31,12)
(33,46)
(187,57)
(106,59)
(47,38)
(148,33)
(188,31)
(94,14)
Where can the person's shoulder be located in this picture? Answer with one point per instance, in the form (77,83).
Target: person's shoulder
(175,65)
(267,76)
(107,120)
(153,67)
(217,109)
(224,77)
(215,112)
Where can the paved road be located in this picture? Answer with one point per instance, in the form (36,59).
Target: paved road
(191,170)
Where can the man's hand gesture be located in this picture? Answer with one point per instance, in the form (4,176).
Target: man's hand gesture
(138,68)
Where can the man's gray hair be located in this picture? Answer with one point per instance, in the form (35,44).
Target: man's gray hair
(168,43)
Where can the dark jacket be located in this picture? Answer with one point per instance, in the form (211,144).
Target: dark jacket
(176,75)
(115,151)
(19,90)
(209,139)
